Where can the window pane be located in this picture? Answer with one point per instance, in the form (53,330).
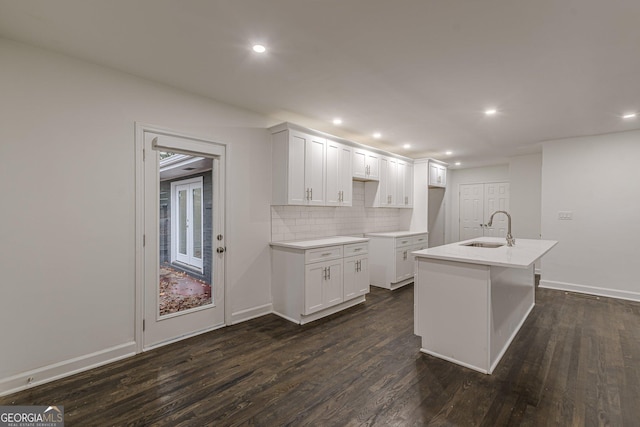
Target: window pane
(197,222)
(182,222)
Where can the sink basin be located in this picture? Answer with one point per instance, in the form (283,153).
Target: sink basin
(483,245)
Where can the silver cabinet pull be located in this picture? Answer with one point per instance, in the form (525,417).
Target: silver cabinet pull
(329,275)
(311,194)
(357,249)
(326,254)
(404,255)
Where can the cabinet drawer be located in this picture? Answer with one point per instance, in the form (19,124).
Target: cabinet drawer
(403,241)
(356,249)
(420,239)
(322,254)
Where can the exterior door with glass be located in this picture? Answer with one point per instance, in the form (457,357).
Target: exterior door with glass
(183,289)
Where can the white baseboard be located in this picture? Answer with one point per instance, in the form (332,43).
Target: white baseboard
(591,290)
(65,368)
(251,313)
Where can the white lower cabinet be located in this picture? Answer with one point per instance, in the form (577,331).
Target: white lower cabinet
(308,284)
(322,285)
(356,276)
(391,262)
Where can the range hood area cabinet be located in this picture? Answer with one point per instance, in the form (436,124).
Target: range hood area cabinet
(366,165)
(310,170)
(395,187)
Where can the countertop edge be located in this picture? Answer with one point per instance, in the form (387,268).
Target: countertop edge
(319,243)
(497,263)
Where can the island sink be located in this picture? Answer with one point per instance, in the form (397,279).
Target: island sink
(483,245)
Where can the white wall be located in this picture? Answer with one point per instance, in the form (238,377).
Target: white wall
(598,179)
(305,222)
(525,195)
(67,222)
(455,177)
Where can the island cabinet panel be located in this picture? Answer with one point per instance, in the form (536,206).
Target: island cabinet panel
(391,261)
(470,301)
(308,284)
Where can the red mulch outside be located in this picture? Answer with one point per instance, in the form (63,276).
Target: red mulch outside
(179,291)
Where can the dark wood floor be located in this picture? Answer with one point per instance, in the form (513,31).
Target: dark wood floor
(576,361)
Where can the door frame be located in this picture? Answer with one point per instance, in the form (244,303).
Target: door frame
(197,144)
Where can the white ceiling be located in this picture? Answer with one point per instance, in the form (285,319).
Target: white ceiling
(418,71)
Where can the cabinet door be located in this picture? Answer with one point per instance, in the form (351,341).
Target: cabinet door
(404,264)
(322,285)
(333,290)
(408,186)
(356,277)
(373,166)
(297,191)
(391,177)
(437,175)
(345,175)
(314,170)
(401,193)
(333,183)
(314,277)
(361,285)
(359,164)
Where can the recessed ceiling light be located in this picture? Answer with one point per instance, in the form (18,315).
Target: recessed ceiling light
(490,112)
(629,116)
(377,135)
(337,121)
(457,163)
(406,146)
(258,48)
(448,153)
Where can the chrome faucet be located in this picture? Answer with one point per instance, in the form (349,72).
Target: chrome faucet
(510,240)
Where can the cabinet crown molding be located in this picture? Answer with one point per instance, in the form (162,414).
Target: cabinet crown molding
(292,126)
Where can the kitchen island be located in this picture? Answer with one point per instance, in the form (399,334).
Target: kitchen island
(472,297)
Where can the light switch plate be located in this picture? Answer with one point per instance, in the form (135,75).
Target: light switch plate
(565,215)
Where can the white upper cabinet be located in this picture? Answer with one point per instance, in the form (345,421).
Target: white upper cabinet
(366,165)
(299,167)
(395,187)
(312,170)
(404,193)
(437,174)
(339,182)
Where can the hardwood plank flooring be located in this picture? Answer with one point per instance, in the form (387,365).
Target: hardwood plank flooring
(576,361)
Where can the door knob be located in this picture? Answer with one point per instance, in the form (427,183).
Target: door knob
(220,249)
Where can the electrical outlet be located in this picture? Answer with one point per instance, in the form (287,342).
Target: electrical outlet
(565,215)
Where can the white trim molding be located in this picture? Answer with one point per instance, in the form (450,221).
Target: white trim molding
(251,313)
(25,380)
(591,290)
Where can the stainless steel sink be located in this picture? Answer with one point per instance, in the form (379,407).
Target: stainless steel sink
(483,245)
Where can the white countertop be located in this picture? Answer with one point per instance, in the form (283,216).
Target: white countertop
(396,234)
(319,243)
(524,253)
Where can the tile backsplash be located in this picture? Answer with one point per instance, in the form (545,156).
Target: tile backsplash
(305,222)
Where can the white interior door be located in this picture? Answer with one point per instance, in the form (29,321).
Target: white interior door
(477,203)
(496,198)
(471,211)
(183,243)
